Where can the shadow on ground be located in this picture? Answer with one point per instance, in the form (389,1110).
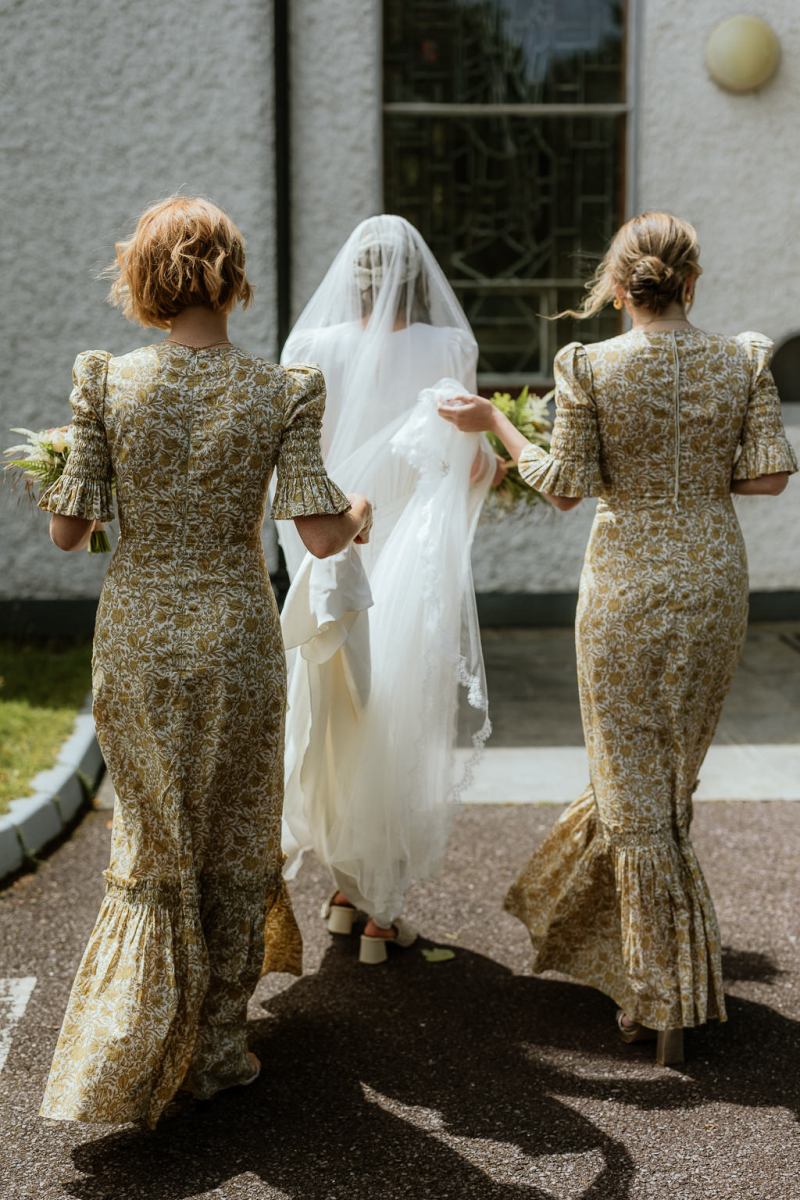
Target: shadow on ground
(401,1081)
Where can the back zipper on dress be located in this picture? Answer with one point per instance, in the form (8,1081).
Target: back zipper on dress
(677,415)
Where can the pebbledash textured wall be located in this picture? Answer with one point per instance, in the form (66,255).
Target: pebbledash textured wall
(730,165)
(336,131)
(121,104)
(726,162)
(101,113)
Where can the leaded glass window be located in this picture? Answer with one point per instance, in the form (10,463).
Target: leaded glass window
(504,143)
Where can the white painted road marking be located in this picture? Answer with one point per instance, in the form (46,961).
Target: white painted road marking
(14,997)
(558,774)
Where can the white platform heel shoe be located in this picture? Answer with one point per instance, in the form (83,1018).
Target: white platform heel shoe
(374,949)
(339,918)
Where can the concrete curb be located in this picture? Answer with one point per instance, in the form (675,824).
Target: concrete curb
(559,774)
(57,796)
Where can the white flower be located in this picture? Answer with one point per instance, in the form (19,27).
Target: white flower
(58,440)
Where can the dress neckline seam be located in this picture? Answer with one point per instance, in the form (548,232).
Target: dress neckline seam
(198,349)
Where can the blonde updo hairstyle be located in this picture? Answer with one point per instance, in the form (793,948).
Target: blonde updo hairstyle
(654,258)
(183,252)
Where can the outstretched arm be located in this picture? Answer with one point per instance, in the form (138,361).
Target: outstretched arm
(473,414)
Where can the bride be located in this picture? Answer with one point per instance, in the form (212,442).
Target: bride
(383,638)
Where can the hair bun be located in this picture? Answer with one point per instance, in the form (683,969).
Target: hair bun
(651,271)
(653,283)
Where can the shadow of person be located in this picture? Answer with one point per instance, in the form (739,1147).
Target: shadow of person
(752,1060)
(411,1080)
(740,965)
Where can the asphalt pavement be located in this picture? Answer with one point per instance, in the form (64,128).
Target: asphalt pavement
(465,1078)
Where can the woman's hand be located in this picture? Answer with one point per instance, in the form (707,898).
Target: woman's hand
(473,414)
(362,510)
(470,414)
(501,468)
(325,535)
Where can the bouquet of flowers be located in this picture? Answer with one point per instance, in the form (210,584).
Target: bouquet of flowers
(40,461)
(528,414)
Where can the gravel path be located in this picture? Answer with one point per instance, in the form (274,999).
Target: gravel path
(460,1079)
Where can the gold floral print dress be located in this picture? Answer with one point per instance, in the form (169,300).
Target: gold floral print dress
(657,425)
(189,698)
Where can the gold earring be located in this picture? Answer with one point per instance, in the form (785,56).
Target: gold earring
(617,303)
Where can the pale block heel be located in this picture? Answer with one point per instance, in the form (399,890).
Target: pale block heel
(373,950)
(341,919)
(669,1047)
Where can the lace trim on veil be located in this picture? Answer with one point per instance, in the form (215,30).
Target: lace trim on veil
(419,449)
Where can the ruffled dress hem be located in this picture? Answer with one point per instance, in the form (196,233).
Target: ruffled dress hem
(586,898)
(128,1036)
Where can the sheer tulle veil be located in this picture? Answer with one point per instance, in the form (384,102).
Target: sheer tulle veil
(386,636)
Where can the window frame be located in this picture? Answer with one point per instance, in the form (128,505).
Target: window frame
(628,110)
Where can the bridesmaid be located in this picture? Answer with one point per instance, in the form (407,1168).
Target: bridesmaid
(188,670)
(662,423)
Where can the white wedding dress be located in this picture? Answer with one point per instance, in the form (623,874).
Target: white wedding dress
(382,638)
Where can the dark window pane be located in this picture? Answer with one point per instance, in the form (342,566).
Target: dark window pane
(518,211)
(786,369)
(504,51)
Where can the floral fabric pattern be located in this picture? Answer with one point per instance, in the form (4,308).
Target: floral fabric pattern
(189,684)
(657,425)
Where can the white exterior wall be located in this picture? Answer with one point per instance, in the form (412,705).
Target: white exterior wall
(730,164)
(336,131)
(104,109)
(103,113)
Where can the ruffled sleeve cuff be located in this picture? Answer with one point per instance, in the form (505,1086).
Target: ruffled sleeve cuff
(765,457)
(78,496)
(303,488)
(84,489)
(574,479)
(305,494)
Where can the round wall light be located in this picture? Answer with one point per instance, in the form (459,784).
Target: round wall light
(743,53)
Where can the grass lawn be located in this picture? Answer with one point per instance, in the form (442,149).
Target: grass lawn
(41,690)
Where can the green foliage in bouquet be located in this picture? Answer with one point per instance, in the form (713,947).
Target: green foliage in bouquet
(39,462)
(528,414)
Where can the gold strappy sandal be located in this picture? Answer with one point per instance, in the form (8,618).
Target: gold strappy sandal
(669,1042)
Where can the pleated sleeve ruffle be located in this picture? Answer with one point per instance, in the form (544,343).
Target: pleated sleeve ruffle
(765,448)
(572,465)
(84,489)
(303,487)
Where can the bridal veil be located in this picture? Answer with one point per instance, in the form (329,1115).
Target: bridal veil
(384,639)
